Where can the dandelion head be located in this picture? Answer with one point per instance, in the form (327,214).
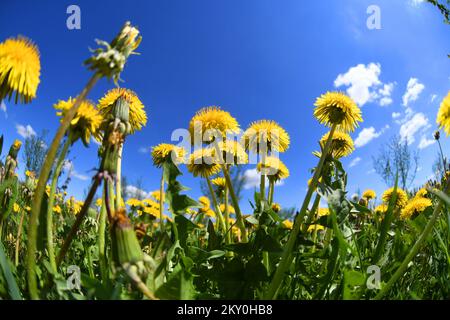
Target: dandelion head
(165,151)
(336,108)
(401,200)
(201,163)
(369,194)
(443,116)
(315,227)
(230,208)
(232,152)
(20,69)
(341,144)
(273,168)
(276,207)
(265,133)
(415,206)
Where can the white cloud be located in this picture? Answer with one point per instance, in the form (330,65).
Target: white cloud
(424,142)
(4,109)
(395,115)
(133,191)
(411,127)
(253,179)
(413,89)
(415,3)
(364,84)
(144,150)
(433,97)
(70,168)
(354,162)
(368,134)
(25,131)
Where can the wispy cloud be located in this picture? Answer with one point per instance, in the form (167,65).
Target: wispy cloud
(354,162)
(253,179)
(4,108)
(425,142)
(413,89)
(25,131)
(368,134)
(364,84)
(412,126)
(70,168)
(144,150)
(133,191)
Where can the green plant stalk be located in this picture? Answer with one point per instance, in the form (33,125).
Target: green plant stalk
(41,184)
(216,205)
(286,258)
(415,249)
(262,191)
(234,199)
(101,240)
(19,235)
(161,203)
(76,226)
(229,238)
(119,178)
(51,201)
(271,191)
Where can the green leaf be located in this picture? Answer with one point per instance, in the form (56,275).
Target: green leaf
(179,286)
(353,284)
(5,263)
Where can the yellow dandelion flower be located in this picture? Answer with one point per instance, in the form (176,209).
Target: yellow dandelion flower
(336,108)
(415,206)
(209,213)
(132,202)
(401,200)
(382,208)
(164,151)
(276,207)
(17,144)
(205,202)
(99,202)
(28,208)
(201,163)
(219,182)
(157,195)
(137,115)
(20,69)
(86,122)
(16,207)
(232,152)
(443,116)
(273,168)
(57,209)
(151,203)
(152,211)
(230,208)
(341,144)
(287,224)
(265,132)
(421,193)
(213,118)
(323,212)
(315,227)
(369,194)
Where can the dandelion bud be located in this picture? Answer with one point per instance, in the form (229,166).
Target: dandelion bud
(437,135)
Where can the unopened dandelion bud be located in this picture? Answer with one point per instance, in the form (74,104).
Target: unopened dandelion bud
(126,248)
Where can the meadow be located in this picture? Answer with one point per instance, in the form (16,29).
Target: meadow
(393,245)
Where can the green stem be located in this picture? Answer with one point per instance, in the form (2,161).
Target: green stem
(414,250)
(119,178)
(216,206)
(19,235)
(41,184)
(262,191)
(161,203)
(312,212)
(286,258)
(229,238)
(271,191)
(101,239)
(235,201)
(51,200)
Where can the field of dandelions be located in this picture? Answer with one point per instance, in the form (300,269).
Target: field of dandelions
(171,246)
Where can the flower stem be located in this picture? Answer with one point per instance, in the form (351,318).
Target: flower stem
(161,203)
(101,239)
(40,189)
(415,249)
(271,191)
(119,177)
(19,235)
(51,200)
(229,238)
(216,206)
(286,258)
(234,199)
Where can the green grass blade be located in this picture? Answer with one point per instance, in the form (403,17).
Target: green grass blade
(13,289)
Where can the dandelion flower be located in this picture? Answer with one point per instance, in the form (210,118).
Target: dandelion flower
(273,168)
(232,152)
(132,202)
(336,108)
(16,207)
(219,182)
(401,200)
(421,193)
(86,122)
(382,208)
(205,202)
(162,152)
(369,194)
(276,207)
(341,144)
(315,227)
(57,209)
(266,132)
(415,206)
(323,212)
(213,118)
(287,224)
(137,115)
(230,208)
(20,69)
(201,164)
(443,116)
(157,195)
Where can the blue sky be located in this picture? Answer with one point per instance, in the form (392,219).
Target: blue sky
(256,59)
